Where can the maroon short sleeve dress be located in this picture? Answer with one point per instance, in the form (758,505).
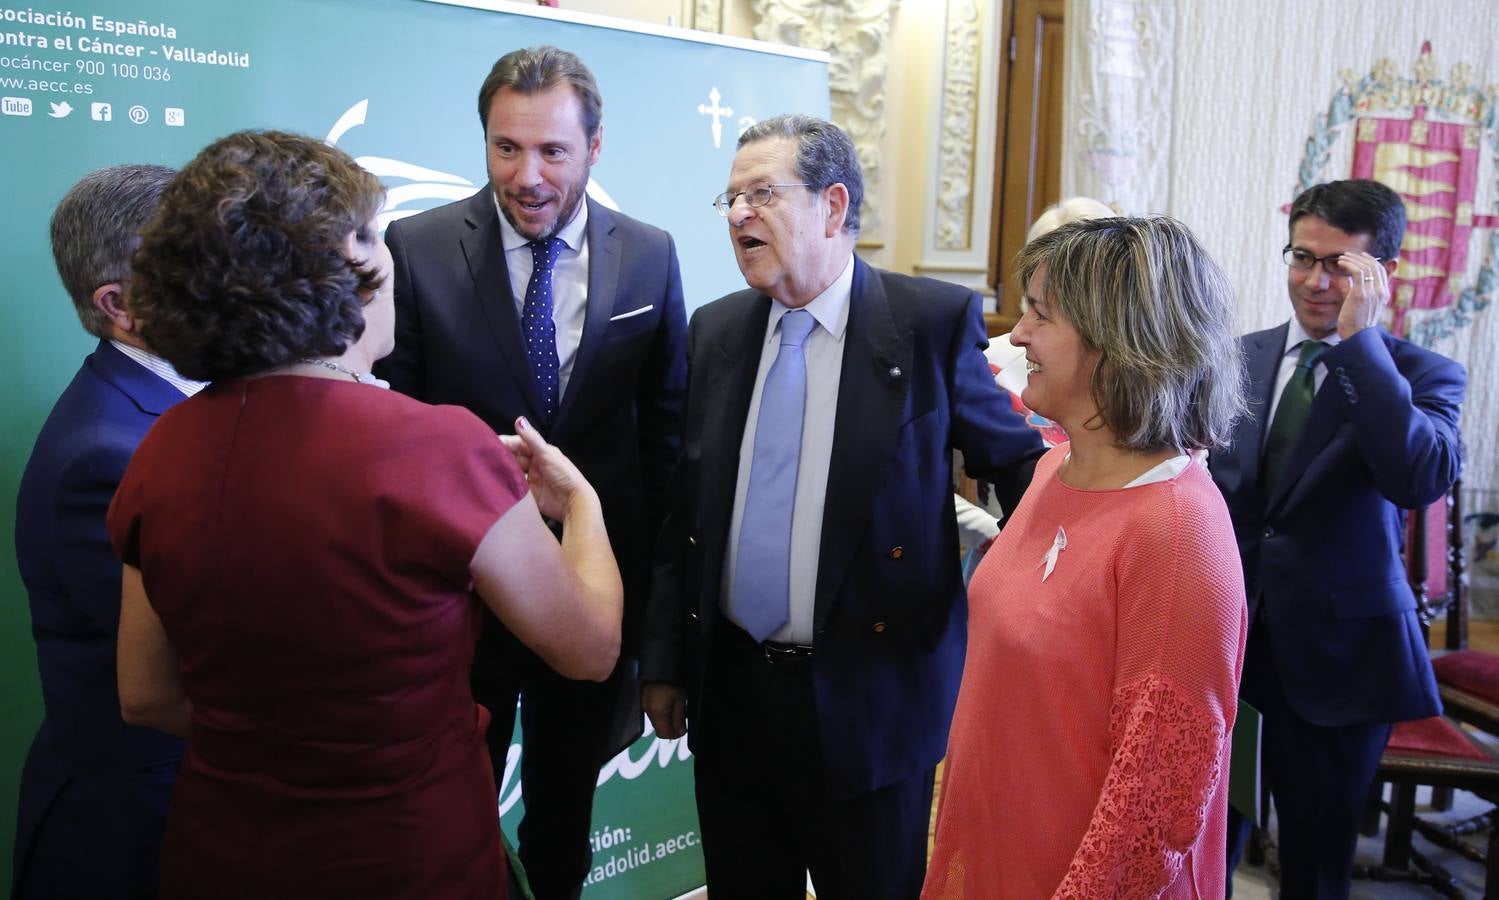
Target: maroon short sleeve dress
(306,544)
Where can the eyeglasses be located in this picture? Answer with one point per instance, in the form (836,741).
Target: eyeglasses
(756,197)
(1297,258)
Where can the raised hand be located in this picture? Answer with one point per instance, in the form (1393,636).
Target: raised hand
(553,478)
(1364,282)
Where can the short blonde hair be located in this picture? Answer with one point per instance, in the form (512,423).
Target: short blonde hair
(1070,210)
(1146,295)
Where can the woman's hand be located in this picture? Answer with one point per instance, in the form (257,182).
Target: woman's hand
(555,482)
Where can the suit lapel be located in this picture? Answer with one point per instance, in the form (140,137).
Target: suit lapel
(732,358)
(484,250)
(603,288)
(1262,362)
(1322,422)
(872,390)
(147,390)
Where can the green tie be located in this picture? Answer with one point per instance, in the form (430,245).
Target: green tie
(1290,415)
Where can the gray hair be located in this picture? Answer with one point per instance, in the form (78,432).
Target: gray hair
(1069,210)
(95,229)
(824,156)
(1146,295)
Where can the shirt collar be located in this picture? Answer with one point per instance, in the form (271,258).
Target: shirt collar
(1296,336)
(572,233)
(160,367)
(829,308)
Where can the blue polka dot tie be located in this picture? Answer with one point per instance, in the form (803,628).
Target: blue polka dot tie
(537,325)
(760,600)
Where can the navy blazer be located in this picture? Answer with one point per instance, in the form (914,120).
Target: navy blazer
(91,784)
(458,340)
(890,609)
(1321,552)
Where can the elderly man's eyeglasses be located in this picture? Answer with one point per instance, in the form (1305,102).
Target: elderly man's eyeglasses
(1297,258)
(757,196)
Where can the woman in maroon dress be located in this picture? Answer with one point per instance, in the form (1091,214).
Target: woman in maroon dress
(312,546)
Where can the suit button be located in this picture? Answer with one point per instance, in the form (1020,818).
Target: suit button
(692,616)
(1340,370)
(879,628)
(897,552)
(1353,396)
(691,541)
(1268,532)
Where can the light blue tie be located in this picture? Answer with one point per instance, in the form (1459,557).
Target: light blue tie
(761,598)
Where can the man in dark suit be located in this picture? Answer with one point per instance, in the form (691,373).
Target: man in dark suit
(530,299)
(809,617)
(93,794)
(1348,427)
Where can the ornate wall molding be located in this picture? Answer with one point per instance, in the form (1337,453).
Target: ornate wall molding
(1119,107)
(959,117)
(707,15)
(856,34)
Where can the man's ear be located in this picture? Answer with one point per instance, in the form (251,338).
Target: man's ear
(596,146)
(1390,265)
(836,200)
(109,298)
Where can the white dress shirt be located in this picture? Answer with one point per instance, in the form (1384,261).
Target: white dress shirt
(161,368)
(1295,337)
(824,354)
(569,284)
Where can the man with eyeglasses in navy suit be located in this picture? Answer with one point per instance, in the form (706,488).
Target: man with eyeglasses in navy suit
(1349,426)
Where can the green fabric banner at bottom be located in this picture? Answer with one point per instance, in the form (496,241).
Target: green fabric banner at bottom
(645,831)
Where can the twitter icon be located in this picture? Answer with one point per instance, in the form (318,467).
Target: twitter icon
(61,110)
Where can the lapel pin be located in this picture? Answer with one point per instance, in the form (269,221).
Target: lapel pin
(1058,544)
(895,371)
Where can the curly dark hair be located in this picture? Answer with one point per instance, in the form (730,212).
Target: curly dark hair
(242,268)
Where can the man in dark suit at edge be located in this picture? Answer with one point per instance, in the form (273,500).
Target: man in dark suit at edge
(1348,426)
(94,790)
(531,299)
(808,617)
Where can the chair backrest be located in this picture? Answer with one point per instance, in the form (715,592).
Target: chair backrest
(1436,566)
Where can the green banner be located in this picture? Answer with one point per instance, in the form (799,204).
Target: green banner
(394,82)
(645,838)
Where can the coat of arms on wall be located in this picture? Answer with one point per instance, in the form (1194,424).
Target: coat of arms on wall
(1436,142)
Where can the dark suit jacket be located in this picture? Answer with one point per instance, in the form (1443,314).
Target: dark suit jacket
(458,340)
(891,626)
(91,782)
(1321,553)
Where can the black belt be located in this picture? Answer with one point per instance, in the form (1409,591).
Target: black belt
(774,652)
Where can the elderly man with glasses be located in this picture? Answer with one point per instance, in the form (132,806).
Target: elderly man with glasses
(808,620)
(1349,426)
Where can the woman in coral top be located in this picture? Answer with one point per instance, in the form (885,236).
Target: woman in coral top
(1088,755)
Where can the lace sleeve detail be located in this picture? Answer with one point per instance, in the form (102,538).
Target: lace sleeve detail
(1167,759)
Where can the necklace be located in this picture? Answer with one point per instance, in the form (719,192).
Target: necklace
(329,364)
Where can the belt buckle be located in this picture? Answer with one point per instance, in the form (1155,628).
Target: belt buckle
(784,653)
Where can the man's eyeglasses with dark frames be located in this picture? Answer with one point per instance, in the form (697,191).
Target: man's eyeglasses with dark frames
(1297,258)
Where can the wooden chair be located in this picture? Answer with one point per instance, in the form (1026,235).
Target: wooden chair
(1436,751)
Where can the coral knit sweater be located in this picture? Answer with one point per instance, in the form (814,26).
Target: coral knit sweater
(1088,756)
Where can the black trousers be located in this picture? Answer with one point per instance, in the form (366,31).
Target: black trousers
(1320,778)
(565,731)
(766,817)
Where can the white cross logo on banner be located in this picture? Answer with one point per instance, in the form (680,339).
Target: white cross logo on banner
(716,112)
